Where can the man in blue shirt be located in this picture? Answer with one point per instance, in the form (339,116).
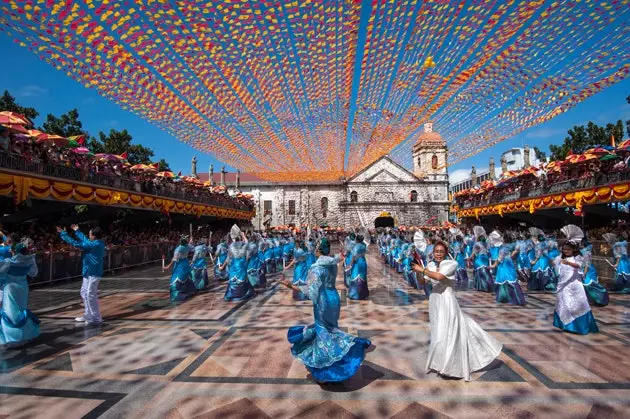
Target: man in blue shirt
(93,251)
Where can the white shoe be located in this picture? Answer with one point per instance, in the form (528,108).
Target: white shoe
(80,319)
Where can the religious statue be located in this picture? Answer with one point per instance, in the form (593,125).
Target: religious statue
(526,162)
(223,176)
(211,175)
(491,168)
(238,180)
(193,169)
(503,164)
(473,177)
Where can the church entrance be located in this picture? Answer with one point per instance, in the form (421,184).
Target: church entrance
(385,219)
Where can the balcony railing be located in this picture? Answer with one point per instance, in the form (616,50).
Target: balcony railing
(499,195)
(167,190)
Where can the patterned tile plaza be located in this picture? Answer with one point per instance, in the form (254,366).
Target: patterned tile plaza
(207,358)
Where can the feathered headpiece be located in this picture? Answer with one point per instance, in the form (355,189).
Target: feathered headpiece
(479,232)
(573,233)
(235,232)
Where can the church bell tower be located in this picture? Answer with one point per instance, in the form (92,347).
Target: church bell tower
(429,155)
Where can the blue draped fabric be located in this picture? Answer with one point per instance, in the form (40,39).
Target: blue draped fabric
(542,275)
(329,354)
(357,283)
(200,267)
(507,288)
(583,325)
(622,275)
(181,286)
(300,272)
(270,262)
(253,264)
(18,325)
(219,259)
(482,276)
(239,288)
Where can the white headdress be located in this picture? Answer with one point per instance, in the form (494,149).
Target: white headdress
(479,232)
(235,232)
(495,239)
(535,232)
(573,233)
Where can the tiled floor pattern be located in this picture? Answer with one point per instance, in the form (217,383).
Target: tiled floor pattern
(206,358)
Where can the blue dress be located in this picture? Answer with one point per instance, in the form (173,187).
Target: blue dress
(182,286)
(469,246)
(262,270)
(239,288)
(552,249)
(542,275)
(277,254)
(622,274)
(18,325)
(253,264)
(270,262)
(348,246)
(506,285)
(219,259)
(300,271)
(481,265)
(329,354)
(310,256)
(460,274)
(494,253)
(596,293)
(200,267)
(358,285)
(523,264)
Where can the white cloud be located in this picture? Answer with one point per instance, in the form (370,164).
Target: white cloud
(32,90)
(545,133)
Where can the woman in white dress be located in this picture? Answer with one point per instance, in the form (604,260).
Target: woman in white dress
(458,345)
(573,313)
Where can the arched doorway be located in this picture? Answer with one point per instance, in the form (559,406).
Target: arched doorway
(385,219)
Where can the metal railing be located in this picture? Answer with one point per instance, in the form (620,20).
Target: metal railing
(499,195)
(57,265)
(168,190)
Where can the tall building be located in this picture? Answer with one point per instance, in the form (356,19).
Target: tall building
(411,198)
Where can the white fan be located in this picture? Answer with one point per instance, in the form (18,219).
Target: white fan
(479,232)
(419,241)
(235,232)
(455,231)
(573,233)
(535,232)
(611,238)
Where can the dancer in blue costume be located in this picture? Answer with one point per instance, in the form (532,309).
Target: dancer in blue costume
(199,266)
(348,246)
(523,264)
(287,250)
(469,244)
(458,251)
(506,285)
(18,325)
(270,262)
(481,266)
(495,241)
(220,255)
(542,275)
(408,272)
(552,249)
(262,270)
(596,293)
(239,288)
(358,285)
(182,286)
(300,271)
(311,248)
(329,354)
(622,268)
(277,253)
(253,264)
(573,313)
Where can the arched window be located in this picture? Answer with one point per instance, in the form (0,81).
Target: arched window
(354,196)
(324,207)
(434,161)
(413,196)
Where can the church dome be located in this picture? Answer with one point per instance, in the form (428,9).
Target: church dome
(429,137)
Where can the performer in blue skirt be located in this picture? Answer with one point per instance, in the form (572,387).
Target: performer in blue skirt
(18,325)
(200,266)
(348,246)
(506,285)
(270,263)
(262,270)
(182,286)
(481,265)
(357,282)
(300,271)
(329,354)
(219,260)
(596,293)
(311,248)
(542,275)
(239,288)
(253,264)
(622,267)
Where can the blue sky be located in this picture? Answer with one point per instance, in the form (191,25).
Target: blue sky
(35,83)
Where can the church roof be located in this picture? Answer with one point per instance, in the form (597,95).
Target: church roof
(429,137)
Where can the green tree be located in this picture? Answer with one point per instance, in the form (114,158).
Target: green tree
(615,130)
(67,125)
(119,142)
(540,155)
(163,166)
(8,103)
(579,140)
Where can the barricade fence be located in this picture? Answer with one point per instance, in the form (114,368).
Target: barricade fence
(57,265)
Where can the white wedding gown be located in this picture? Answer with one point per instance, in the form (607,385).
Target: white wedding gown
(458,345)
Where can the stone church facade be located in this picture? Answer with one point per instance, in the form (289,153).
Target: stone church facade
(417,198)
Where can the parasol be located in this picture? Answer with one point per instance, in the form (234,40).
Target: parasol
(143,168)
(14,118)
(167,174)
